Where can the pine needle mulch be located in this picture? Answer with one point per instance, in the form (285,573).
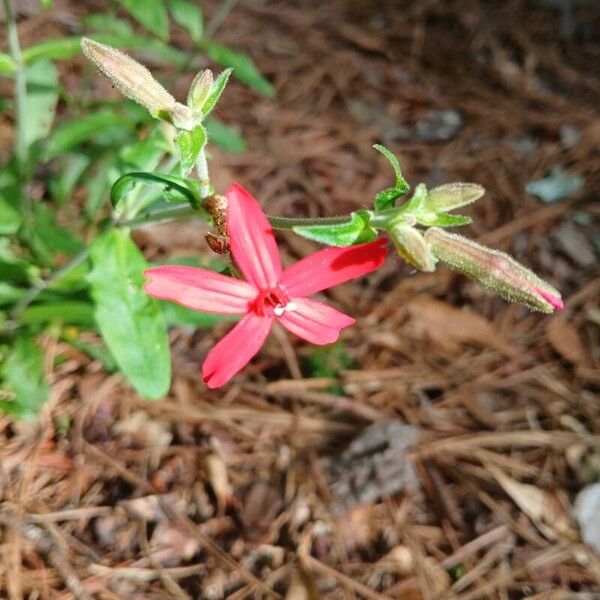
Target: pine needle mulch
(436,452)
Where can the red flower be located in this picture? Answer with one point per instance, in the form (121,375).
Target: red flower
(268,293)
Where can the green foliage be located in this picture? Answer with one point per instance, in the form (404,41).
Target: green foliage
(355,231)
(101,149)
(188,15)
(152,14)
(131,322)
(243,67)
(190,144)
(388,197)
(22,371)
(41,100)
(225,137)
(215,91)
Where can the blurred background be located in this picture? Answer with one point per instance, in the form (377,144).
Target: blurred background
(449,445)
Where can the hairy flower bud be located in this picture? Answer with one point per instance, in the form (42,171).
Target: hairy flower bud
(412,247)
(494,270)
(200,89)
(452,195)
(131,78)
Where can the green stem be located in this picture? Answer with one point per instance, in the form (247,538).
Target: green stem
(20,87)
(34,291)
(291,222)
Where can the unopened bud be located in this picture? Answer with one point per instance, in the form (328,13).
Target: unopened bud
(182,116)
(494,270)
(131,78)
(452,195)
(412,247)
(200,89)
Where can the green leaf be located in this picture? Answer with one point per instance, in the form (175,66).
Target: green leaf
(355,231)
(107,23)
(98,185)
(72,168)
(175,189)
(13,268)
(152,14)
(10,219)
(387,198)
(81,129)
(188,15)
(190,144)
(53,49)
(215,91)
(10,293)
(131,323)
(243,67)
(7,64)
(449,196)
(23,375)
(225,137)
(68,312)
(401,183)
(40,103)
(47,238)
(442,220)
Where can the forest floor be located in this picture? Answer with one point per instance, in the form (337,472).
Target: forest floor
(437,450)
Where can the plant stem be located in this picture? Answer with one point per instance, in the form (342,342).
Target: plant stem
(20,87)
(34,291)
(291,222)
(203,176)
(218,18)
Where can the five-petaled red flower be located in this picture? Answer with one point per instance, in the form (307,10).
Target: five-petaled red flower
(268,293)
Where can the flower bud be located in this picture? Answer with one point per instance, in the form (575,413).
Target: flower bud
(412,247)
(182,116)
(200,89)
(452,195)
(494,270)
(131,78)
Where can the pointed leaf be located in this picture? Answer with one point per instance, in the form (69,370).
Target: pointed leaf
(215,91)
(355,231)
(152,14)
(177,189)
(131,323)
(443,220)
(188,15)
(190,144)
(225,137)
(401,183)
(387,198)
(243,67)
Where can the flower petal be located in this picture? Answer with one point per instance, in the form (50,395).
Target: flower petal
(233,352)
(251,238)
(314,321)
(200,289)
(332,266)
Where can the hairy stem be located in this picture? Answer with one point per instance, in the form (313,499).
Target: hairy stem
(20,86)
(203,176)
